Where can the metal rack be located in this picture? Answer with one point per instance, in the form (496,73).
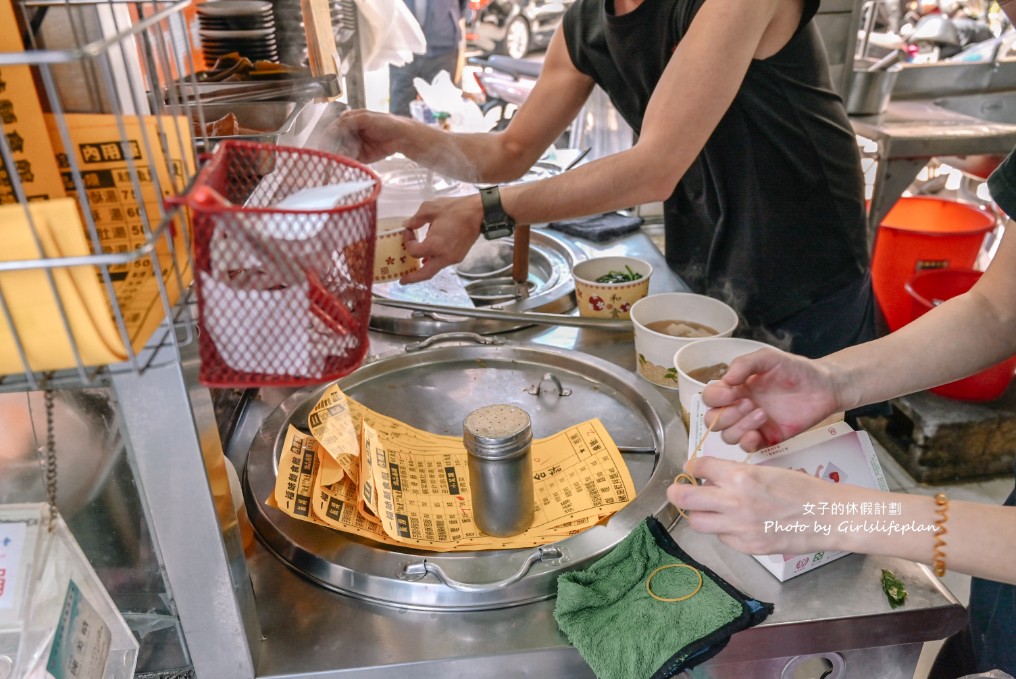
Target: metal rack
(95,64)
(111,76)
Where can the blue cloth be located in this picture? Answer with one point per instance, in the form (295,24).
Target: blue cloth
(599,228)
(992,619)
(835,321)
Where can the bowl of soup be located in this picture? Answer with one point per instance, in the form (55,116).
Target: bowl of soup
(699,363)
(666,322)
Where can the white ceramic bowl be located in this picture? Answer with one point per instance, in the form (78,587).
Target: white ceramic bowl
(654,350)
(703,353)
(609,300)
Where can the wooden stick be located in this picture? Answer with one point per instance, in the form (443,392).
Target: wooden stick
(520,260)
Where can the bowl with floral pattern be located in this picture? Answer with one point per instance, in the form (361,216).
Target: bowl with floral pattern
(607,287)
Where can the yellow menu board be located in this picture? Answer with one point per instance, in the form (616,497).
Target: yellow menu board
(120,217)
(38,306)
(105,164)
(21,115)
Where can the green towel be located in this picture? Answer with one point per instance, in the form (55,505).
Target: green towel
(623,633)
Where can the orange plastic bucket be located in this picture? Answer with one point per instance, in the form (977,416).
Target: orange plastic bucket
(926,290)
(923,233)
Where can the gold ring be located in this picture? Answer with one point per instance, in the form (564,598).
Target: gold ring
(679,598)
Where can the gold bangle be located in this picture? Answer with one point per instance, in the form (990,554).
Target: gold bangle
(942,510)
(677,598)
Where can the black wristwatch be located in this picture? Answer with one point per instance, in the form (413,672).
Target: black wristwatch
(496,222)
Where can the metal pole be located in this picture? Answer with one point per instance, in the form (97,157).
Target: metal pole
(174,447)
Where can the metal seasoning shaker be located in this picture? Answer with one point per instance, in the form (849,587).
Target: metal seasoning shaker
(498,438)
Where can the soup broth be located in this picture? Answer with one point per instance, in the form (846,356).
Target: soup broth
(709,373)
(679,328)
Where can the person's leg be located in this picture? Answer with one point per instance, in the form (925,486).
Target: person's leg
(449,61)
(400,87)
(955,658)
(842,319)
(401,90)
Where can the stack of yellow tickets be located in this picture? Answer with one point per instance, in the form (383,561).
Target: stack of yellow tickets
(363,473)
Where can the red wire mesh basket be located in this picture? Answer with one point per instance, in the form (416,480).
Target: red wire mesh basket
(284,253)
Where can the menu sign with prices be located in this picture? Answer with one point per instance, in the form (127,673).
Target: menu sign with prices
(23,126)
(411,487)
(125,183)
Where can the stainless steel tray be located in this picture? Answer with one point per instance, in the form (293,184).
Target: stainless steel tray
(433,389)
(274,118)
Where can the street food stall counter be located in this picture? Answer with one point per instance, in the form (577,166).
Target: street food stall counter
(329,609)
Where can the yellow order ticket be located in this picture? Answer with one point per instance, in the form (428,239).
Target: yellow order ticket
(300,494)
(417,483)
(422,480)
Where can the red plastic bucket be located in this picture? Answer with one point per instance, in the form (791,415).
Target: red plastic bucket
(926,290)
(923,233)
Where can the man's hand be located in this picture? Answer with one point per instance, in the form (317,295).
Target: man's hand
(454,227)
(366,136)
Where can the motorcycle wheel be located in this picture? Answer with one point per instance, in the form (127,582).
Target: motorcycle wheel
(517,39)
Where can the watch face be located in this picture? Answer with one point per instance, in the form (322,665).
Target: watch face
(497,230)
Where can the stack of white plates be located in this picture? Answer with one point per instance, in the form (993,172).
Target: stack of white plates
(244,26)
(290,30)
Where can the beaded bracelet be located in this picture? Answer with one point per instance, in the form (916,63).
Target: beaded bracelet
(942,509)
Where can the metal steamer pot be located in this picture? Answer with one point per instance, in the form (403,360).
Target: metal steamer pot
(550,290)
(433,389)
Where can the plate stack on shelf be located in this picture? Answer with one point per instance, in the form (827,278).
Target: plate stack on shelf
(244,26)
(290,30)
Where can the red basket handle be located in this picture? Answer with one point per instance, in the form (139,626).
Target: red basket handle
(331,311)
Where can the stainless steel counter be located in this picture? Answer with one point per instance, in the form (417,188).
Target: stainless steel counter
(913,131)
(839,607)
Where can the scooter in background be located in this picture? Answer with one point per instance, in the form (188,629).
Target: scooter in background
(937,37)
(505,83)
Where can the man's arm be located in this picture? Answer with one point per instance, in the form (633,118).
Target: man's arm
(488,157)
(696,89)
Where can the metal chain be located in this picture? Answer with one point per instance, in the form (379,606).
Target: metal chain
(48,461)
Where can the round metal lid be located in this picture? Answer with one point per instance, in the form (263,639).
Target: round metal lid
(551,289)
(433,390)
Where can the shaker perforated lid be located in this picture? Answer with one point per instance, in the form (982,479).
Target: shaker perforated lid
(497,431)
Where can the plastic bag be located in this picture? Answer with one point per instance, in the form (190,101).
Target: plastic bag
(389,34)
(464,115)
(56,619)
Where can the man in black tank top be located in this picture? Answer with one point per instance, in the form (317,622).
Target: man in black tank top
(740,134)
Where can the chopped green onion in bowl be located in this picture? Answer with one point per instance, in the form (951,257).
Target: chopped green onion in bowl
(625,276)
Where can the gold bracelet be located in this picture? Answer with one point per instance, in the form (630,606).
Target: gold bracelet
(942,509)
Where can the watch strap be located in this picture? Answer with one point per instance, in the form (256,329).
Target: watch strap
(496,222)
